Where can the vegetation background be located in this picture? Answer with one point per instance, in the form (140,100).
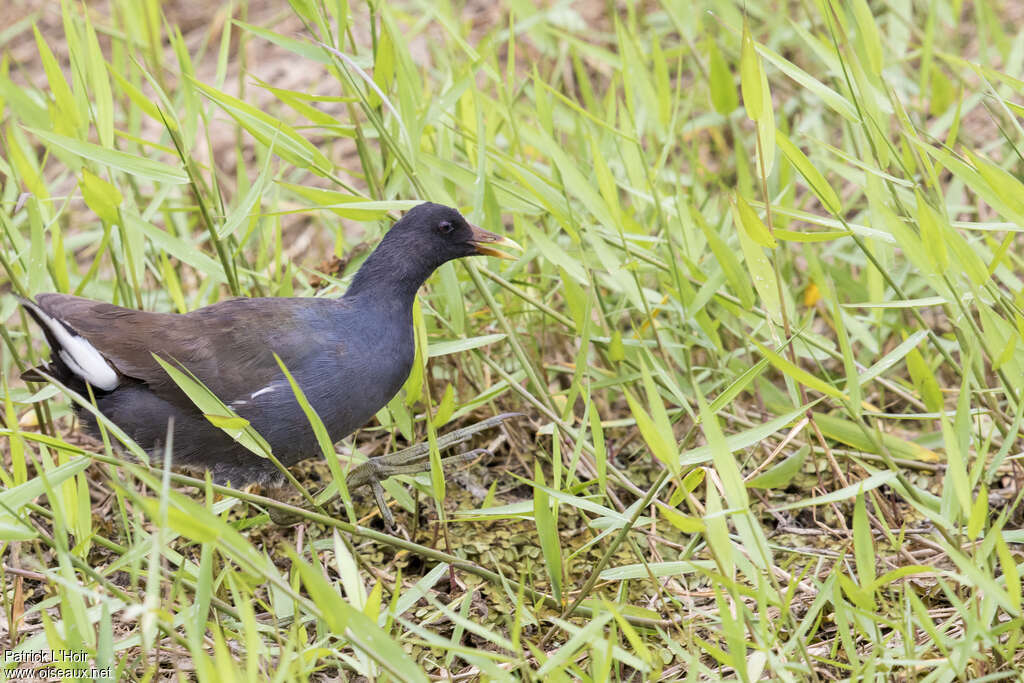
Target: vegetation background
(766,334)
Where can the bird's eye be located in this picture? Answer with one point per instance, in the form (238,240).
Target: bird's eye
(444,227)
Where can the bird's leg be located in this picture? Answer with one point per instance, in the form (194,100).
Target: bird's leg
(414,460)
(374,476)
(280,516)
(371,473)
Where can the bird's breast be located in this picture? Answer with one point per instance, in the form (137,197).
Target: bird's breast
(354,381)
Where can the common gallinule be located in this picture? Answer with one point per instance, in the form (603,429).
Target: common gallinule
(350,355)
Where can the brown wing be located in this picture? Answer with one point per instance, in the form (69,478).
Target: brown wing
(229,346)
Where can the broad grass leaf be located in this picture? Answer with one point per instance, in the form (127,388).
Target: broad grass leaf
(978,514)
(726,258)
(300,102)
(716,531)
(383,64)
(924,381)
(892,358)
(1011,573)
(1002,340)
(100,96)
(661,447)
(720,81)
(270,131)
(345,621)
(64,114)
(191,524)
(139,99)
(606,183)
(933,231)
(1004,184)
(657,569)
(987,189)
(547,532)
(446,407)
(863,545)
(845,493)
(853,434)
(23,162)
(414,382)
(683,522)
(980,579)
(347,205)
(827,96)
(752,77)
(956,479)
(562,657)
(302,48)
(600,452)
(781,474)
(751,534)
(323,439)
(760,269)
(446,348)
(554,253)
(14,499)
(752,224)
(215,410)
(102,197)
(815,180)
(139,167)
(867,33)
(175,246)
(243,210)
(800,375)
(636,642)
(744,439)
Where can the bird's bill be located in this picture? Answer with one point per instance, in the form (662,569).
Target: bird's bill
(489,244)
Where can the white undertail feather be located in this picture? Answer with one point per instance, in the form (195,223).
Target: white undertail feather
(78,354)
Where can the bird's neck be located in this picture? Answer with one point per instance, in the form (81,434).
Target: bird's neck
(389,276)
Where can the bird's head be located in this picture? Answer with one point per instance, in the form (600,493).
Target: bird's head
(426,237)
(436,234)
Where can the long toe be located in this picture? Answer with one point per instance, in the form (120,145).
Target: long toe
(375,470)
(289,496)
(414,460)
(282,517)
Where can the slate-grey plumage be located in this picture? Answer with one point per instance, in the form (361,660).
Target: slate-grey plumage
(350,355)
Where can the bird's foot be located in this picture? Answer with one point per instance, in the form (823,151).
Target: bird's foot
(372,472)
(414,460)
(284,516)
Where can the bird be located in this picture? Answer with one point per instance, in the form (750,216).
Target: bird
(349,355)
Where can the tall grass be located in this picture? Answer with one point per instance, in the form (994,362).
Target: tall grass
(767,334)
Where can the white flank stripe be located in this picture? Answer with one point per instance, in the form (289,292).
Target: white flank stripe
(264,390)
(79,355)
